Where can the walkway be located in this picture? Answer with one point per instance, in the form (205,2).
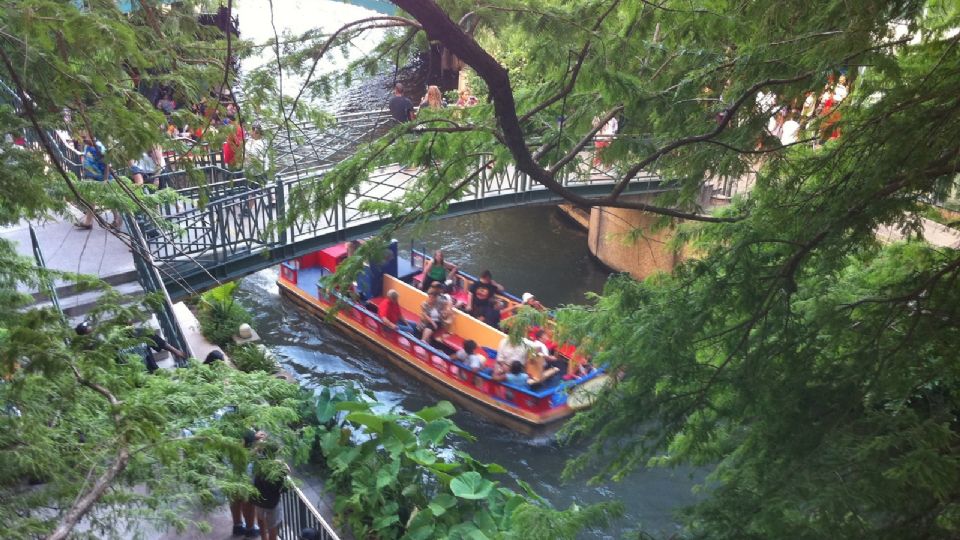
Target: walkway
(65,248)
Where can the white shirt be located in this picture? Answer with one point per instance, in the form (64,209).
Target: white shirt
(539,347)
(508,353)
(473,361)
(610,128)
(257,155)
(840,92)
(791,132)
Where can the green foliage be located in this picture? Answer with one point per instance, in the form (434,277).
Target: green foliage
(394,479)
(253,357)
(220,315)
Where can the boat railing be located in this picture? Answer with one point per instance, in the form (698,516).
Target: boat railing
(299,514)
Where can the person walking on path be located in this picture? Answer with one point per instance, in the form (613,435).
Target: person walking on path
(97,169)
(401,108)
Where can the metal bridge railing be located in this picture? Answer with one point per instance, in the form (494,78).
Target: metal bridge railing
(299,514)
(150,280)
(45,281)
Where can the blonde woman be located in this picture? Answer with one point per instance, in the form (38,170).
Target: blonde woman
(433,99)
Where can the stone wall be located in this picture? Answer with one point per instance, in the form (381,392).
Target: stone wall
(625,241)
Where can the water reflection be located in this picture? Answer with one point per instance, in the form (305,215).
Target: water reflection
(527,249)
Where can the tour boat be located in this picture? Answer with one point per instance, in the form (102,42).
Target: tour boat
(522,408)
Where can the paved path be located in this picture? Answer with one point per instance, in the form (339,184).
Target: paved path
(66,248)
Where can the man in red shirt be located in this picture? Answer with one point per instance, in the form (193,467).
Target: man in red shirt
(391,314)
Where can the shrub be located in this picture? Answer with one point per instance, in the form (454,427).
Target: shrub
(252,357)
(220,315)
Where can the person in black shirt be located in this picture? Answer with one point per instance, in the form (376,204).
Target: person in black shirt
(401,108)
(482,293)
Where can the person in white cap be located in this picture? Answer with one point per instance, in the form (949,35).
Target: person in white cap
(530,300)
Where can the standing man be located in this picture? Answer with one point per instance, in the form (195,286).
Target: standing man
(401,108)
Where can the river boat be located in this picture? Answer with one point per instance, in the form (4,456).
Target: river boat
(523,408)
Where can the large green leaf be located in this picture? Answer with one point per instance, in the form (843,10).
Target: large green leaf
(423,456)
(353,406)
(436,431)
(371,421)
(470,485)
(385,521)
(441,503)
(326,408)
(440,410)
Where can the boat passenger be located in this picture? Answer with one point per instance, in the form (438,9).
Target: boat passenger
(540,347)
(469,356)
(516,376)
(433,99)
(434,314)
(530,300)
(437,270)
(482,293)
(391,315)
(509,352)
(492,313)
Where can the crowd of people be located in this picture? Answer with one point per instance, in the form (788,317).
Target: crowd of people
(816,119)
(402,109)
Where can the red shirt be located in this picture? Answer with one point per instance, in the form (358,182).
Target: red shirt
(389,311)
(232,147)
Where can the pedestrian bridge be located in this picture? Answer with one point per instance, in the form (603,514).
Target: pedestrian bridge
(240,230)
(244,231)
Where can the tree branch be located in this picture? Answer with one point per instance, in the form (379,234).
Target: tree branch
(585,140)
(435,20)
(574,73)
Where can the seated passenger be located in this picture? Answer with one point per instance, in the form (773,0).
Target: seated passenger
(492,313)
(391,315)
(436,271)
(515,375)
(539,369)
(469,356)
(509,352)
(530,300)
(434,315)
(540,347)
(482,294)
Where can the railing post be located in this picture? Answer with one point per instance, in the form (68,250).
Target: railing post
(213,223)
(280,201)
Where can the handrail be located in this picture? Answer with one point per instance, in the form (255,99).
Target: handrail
(299,513)
(151,281)
(45,279)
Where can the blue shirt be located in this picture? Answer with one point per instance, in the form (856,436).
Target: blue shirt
(93,165)
(517,379)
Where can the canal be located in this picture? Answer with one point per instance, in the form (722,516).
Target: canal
(527,249)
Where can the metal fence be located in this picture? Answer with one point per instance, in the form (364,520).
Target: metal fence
(45,281)
(299,514)
(151,282)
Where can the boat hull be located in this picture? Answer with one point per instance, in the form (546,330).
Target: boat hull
(442,378)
